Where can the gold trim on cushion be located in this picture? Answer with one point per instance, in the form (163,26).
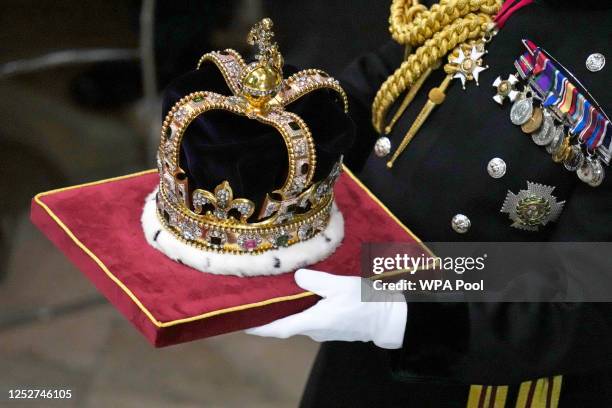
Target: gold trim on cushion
(130,294)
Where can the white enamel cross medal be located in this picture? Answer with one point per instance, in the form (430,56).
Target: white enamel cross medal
(505,89)
(468,62)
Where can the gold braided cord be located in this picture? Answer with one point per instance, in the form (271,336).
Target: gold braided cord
(470,27)
(411,23)
(403,12)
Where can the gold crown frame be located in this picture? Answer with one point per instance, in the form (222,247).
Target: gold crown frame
(215,220)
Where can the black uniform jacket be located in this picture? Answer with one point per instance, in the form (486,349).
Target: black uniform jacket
(443,172)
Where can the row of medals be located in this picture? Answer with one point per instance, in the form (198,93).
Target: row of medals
(547,129)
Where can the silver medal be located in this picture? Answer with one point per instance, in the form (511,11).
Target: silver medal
(557,140)
(598,174)
(575,160)
(591,172)
(382,146)
(585,172)
(521,110)
(545,134)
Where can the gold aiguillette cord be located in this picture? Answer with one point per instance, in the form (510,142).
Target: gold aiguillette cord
(409,97)
(436,97)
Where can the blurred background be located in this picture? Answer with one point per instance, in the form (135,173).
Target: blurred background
(80,82)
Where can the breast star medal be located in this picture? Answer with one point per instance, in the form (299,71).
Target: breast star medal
(532,208)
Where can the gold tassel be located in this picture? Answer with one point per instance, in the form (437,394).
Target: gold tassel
(436,97)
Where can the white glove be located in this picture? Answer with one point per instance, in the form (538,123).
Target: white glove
(341,314)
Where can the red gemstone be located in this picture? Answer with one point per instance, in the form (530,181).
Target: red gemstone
(250,244)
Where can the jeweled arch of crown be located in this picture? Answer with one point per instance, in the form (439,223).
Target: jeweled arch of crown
(216,220)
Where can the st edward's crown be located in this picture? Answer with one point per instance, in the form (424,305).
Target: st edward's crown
(212,218)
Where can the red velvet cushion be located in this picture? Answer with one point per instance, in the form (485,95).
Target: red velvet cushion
(97,225)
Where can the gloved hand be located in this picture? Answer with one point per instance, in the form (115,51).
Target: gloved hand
(341,314)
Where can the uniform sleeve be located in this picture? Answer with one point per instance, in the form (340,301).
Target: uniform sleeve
(506,343)
(361,80)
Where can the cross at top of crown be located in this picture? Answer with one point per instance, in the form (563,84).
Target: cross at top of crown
(261,37)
